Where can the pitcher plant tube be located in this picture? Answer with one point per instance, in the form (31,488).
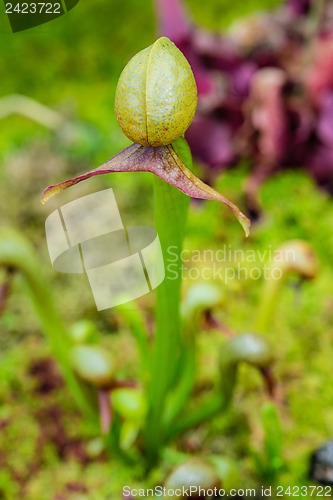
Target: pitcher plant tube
(155,102)
(292,257)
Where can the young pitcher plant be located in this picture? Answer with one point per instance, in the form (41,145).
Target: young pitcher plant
(155,103)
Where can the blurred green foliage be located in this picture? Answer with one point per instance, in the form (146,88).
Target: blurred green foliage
(222,13)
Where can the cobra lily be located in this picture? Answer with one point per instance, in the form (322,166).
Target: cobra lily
(154,112)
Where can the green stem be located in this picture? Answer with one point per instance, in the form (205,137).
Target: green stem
(170,219)
(212,406)
(16,253)
(135,319)
(179,396)
(267,305)
(186,373)
(208,409)
(296,257)
(246,348)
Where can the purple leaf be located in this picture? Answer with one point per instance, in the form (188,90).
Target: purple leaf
(210,141)
(319,77)
(320,164)
(161,161)
(241,78)
(299,7)
(325,119)
(268,112)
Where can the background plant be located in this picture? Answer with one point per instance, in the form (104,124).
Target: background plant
(265,89)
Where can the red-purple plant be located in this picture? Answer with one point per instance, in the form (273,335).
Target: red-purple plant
(265,90)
